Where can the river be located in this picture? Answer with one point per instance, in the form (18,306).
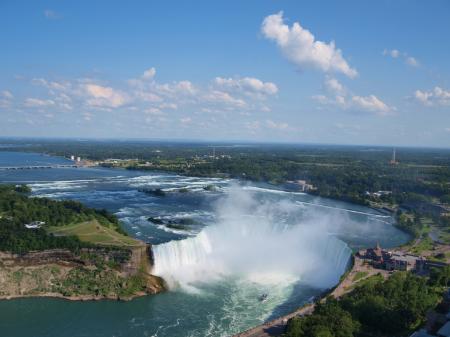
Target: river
(219,250)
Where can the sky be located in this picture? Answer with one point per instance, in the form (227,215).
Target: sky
(334,72)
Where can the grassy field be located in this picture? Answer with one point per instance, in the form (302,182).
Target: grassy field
(93,232)
(359,275)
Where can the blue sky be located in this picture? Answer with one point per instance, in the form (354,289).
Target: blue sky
(347,72)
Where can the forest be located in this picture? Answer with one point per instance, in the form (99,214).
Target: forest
(393,307)
(17,208)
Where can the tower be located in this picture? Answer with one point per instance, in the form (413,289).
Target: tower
(393,160)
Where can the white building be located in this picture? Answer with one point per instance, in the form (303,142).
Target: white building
(35,224)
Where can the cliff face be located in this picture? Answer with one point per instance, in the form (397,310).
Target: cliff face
(89,275)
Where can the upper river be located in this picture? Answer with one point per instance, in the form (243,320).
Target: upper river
(236,242)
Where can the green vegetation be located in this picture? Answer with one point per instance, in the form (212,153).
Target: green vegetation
(82,281)
(415,187)
(21,209)
(394,307)
(359,275)
(93,232)
(18,209)
(425,244)
(17,239)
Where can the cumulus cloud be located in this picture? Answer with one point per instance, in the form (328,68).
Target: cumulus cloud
(371,103)
(412,61)
(38,103)
(341,98)
(6,98)
(149,99)
(246,85)
(301,47)
(334,85)
(7,94)
(101,96)
(434,97)
(395,53)
(216,96)
(149,73)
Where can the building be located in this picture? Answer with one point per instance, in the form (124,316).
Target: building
(300,185)
(404,262)
(393,159)
(35,224)
(78,159)
(378,194)
(72,158)
(383,259)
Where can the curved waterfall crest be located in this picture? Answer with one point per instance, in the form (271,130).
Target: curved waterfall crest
(248,240)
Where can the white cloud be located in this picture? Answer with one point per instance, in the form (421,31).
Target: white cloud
(185,120)
(38,103)
(146,96)
(104,96)
(7,94)
(371,103)
(51,14)
(437,96)
(409,60)
(87,116)
(334,85)
(149,73)
(171,106)
(300,47)
(216,96)
(341,98)
(393,53)
(247,85)
(154,112)
(412,61)
(277,126)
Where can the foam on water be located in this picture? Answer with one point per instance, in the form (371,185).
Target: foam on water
(252,244)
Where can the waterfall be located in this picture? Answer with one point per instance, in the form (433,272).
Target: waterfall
(316,259)
(250,240)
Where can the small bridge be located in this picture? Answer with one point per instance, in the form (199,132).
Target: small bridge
(36,167)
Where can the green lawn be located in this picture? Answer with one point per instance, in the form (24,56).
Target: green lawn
(426,244)
(359,275)
(93,232)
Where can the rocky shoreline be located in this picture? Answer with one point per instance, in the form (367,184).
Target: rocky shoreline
(90,275)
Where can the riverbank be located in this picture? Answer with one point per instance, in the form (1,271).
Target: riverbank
(357,273)
(90,275)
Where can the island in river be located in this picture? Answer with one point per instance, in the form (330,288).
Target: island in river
(63,249)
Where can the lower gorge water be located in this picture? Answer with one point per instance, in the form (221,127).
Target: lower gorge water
(219,250)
